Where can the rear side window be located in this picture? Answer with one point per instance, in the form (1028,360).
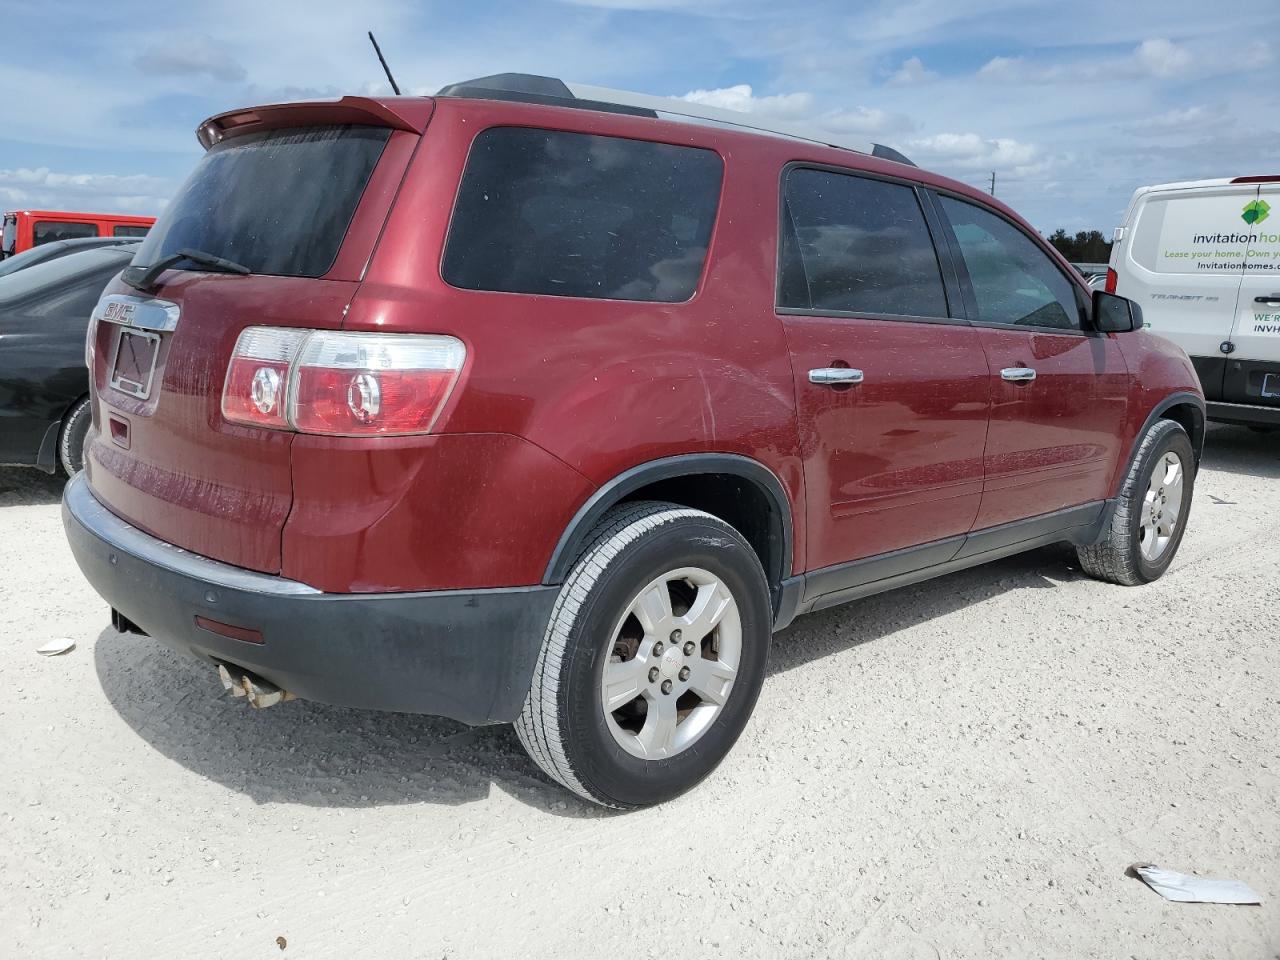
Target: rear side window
(121,230)
(47,231)
(277,202)
(576,215)
(856,245)
(1014,281)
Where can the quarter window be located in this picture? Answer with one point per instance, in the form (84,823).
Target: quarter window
(1013,280)
(856,245)
(576,215)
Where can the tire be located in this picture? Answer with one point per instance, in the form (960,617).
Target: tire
(1133,549)
(670,736)
(75,428)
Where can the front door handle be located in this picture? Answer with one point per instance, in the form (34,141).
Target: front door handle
(834,376)
(1018,374)
(1273,299)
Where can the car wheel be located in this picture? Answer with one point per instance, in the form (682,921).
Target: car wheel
(1151,512)
(653,657)
(75,428)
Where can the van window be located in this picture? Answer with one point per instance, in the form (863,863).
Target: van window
(1014,281)
(278,202)
(577,215)
(9,236)
(124,230)
(47,231)
(1199,233)
(852,244)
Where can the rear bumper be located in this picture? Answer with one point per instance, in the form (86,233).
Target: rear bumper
(1242,413)
(468,655)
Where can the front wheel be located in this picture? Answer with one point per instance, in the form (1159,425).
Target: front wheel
(653,658)
(1151,512)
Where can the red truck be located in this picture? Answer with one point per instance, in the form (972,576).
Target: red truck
(544,406)
(24,229)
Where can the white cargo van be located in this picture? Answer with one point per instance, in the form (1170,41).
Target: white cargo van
(1203,260)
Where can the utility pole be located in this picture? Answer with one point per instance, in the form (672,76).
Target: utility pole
(993,183)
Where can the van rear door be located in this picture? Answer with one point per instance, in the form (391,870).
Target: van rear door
(1253,368)
(1182,258)
(298,199)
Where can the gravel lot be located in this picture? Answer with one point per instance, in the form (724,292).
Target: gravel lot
(960,769)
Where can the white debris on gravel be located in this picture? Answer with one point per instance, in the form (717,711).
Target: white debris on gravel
(948,770)
(53,648)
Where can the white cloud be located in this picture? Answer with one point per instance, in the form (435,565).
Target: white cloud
(1157,58)
(1194,121)
(912,72)
(972,151)
(741,99)
(1161,58)
(866,120)
(42,188)
(190,55)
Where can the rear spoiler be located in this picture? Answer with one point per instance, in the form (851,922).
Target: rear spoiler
(399,113)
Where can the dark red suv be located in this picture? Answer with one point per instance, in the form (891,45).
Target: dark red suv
(515,406)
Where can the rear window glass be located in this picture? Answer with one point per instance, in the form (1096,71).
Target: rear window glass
(1198,233)
(854,245)
(278,202)
(576,215)
(47,231)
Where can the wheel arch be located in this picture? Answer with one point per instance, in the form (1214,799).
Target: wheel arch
(740,491)
(1188,411)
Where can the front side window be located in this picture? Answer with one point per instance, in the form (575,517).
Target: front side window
(47,231)
(277,202)
(1013,280)
(577,215)
(856,245)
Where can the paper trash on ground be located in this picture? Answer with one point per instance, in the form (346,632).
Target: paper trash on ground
(54,647)
(1185,888)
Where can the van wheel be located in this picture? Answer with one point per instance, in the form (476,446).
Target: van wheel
(75,428)
(653,658)
(1151,512)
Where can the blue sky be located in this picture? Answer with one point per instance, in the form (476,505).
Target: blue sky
(1072,104)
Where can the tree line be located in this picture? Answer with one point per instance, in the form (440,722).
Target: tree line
(1087,246)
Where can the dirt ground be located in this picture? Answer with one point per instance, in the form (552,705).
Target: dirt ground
(959,769)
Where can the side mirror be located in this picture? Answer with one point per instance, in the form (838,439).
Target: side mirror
(1113,314)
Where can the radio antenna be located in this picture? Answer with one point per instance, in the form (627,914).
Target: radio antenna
(383,60)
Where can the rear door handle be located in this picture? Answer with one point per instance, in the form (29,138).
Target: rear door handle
(1273,299)
(1018,374)
(834,376)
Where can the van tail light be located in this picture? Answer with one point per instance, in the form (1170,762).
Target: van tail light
(1111,280)
(341,383)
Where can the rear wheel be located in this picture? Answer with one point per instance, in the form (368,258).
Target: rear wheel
(653,658)
(75,429)
(1151,512)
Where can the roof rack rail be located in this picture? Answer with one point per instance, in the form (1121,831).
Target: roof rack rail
(530,88)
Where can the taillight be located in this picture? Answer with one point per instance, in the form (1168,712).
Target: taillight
(257,386)
(340,383)
(1111,280)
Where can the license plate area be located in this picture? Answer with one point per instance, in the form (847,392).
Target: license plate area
(1271,386)
(133,364)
